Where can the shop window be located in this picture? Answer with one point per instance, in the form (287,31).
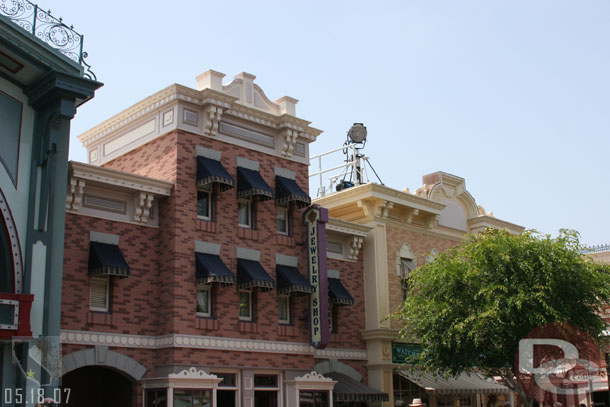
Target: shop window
(192,398)
(204,300)
(226,395)
(283,219)
(405,390)
(244,209)
(313,399)
(155,398)
(204,202)
(99,298)
(444,400)
(245,305)
(464,401)
(284,309)
(266,387)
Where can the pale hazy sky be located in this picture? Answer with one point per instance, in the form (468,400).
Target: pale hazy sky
(513,96)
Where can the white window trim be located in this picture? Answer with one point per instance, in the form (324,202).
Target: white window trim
(284,321)
(248,318)
(206,190)
(249,202)
(208,288)
(284,208)
(236,388)
(107,307)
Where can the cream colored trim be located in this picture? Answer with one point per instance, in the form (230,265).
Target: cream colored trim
(206,342)
(481,222)
(207,247)
(113,220)
(347,228)
(121,179)
(101,237)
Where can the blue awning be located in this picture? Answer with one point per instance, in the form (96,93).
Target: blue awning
(289,280)
(107,259)
(251,184)
(287,190)
(211,269)
(251,274)
(337,294)
(211,171)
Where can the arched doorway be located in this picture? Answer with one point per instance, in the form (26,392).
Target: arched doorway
(97,386)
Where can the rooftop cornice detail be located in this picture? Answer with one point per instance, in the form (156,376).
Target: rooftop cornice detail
(381,192)
(120,179)
(490,221)
(348,228)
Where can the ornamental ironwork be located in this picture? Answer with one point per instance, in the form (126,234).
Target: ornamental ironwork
(49,29)
(597,248)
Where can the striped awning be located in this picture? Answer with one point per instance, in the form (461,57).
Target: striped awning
(287,190)
(211,269)
(465,383)
(348,389)
(289,280)
(211,171)
(251,274)
(338,294)
(107,259)
(251,184)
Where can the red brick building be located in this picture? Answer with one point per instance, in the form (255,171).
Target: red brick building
(187,278)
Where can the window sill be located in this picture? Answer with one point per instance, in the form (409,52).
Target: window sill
(247,233)
(206,225)
(207,323)
(286,330)
(247,327)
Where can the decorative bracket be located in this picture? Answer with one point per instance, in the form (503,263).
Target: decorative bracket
(375,208)
(74,197)
(356,244)
(290,139)
(211,120)
(383,209)
(432,221)
(412,213)
(143,203)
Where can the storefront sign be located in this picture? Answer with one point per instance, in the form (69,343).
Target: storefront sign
(401,351)
(316,218)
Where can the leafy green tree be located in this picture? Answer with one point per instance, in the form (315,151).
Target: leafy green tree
(472,305)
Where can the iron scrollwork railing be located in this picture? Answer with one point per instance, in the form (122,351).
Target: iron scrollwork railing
(597,248)
(49,29)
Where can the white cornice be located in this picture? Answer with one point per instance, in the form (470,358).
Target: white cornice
(206,342)
(490,221)
(348,228)
(120,179)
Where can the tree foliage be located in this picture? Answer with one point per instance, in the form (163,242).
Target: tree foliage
(472,305)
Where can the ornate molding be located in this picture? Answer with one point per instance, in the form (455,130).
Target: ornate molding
(192,373)
(74,197)
(206,342)
(313,377)
(356,245)
(289,137)
(7,216)
(211,119)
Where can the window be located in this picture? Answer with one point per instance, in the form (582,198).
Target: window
(334,247)
(405,390)
(192,398)
(284,309)
(406,266)
(226,394)
(444,400)
(266,387)
(245,305)
(244,209)
(332,318)
(405,289)
(99,293)
(282,219)
(204,202)
(313,398)
(156,398)
(204,300)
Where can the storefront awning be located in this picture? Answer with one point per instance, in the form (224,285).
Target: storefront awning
(289,280)
(337,294)
(107,259)
(287,190)
(211,269)
(251,274)
(251,184)
(211,171)
(465,383)
(348,389)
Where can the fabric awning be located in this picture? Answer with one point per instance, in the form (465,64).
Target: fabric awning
(465,383)
(287,190)
(211,171)
(251,274)
(211,269)
(337,294)
(289,280)
(251,184)
(107,259)
(348,389)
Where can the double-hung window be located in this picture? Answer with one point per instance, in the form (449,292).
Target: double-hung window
(244,209)
(204,202)
(283,308)
(204,300)
(245,305)
(99,297)
(283,219)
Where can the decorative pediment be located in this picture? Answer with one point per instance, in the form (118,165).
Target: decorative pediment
(192,373)
(313,377)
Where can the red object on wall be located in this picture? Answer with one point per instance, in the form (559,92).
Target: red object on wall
(23,322)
